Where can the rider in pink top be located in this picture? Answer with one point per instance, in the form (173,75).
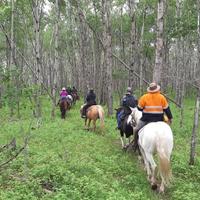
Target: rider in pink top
(63,93)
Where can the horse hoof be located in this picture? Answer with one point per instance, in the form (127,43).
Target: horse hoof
(154,186)
(125,148)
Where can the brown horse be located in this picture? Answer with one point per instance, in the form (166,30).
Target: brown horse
(75,97)
(92,114)
(64,106)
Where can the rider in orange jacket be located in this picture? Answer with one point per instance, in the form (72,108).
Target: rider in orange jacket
(153,106)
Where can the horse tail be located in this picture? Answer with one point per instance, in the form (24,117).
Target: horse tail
(164,167)
(101,116)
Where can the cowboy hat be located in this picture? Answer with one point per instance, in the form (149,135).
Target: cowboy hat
(153,87)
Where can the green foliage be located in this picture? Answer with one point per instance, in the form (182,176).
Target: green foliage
(63,161)
(4,12)
(186,23)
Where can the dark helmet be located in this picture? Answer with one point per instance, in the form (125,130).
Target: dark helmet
(129,90)
(91,90)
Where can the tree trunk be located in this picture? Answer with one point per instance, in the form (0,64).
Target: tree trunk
(141,56)
(37,46)
(133,47)
(56,60)
(11,63)
(159,43)
(178,65)
(195,130)
(106,6)
(196,112)
(83,50)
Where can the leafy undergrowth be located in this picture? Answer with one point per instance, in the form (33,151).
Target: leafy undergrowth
(64,161)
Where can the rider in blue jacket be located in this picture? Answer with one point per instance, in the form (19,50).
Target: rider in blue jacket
(127,101)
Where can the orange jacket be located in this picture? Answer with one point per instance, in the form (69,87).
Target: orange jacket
(153,103)
(153,106)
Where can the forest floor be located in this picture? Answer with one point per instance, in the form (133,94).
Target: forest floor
(61,160)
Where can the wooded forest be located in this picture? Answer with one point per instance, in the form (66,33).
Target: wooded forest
(107,45)
(104,44)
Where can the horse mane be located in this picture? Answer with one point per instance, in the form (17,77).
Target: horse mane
(136,114)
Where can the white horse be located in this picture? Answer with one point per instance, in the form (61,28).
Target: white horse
(155,137)
(69,98)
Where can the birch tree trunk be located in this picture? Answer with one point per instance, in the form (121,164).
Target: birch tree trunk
(165,68)
(159,43)
(56,61)
(196,112)
(11,61)
(36,19)
(83,50)
(178,56)
(106,6)
(133,47)
(195,130)
(141,57)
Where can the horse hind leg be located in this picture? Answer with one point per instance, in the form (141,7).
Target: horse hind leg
(146,162)
(165,173)
(152,167)
(88,126)
(94,125)
(164,165)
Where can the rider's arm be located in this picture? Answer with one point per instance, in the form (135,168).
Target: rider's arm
(168,112)
(141,103)
(87,98)
(166,108)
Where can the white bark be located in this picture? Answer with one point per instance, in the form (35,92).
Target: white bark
(159,43)
(106,6)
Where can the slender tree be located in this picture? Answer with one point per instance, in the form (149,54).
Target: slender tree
(106,6)
(196,112)
(37,14)
(159,42)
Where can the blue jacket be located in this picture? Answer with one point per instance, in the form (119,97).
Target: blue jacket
(129,101)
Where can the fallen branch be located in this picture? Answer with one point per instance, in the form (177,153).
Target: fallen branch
(19,151)
(13,157)
(11,145)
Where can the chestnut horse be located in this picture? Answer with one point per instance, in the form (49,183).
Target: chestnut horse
(64,106)
(93,113)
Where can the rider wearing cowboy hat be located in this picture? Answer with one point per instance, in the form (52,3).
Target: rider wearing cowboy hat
(153,106)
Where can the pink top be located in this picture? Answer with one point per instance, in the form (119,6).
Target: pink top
(63,93)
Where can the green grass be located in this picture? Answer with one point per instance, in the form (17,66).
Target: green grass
(64,161)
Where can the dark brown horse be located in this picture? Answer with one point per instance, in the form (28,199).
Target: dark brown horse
(92,114)
(64,106)
(75,97)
